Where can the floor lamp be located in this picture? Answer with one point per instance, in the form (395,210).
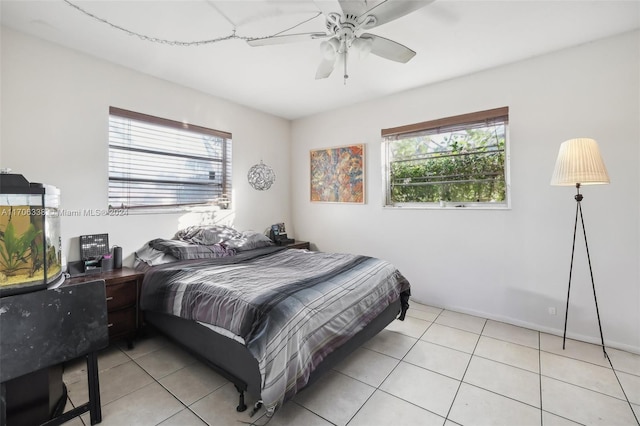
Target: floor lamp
(579,163)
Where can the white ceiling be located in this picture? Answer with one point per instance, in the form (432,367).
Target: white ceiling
(451,38)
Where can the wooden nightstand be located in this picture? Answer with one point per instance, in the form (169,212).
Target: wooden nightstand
(299,245)
(122,289)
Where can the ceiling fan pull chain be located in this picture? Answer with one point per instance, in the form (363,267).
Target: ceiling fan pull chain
(346,76)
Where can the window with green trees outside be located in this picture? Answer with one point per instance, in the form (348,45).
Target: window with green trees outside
(459,161)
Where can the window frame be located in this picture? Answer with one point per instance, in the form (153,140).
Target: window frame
(470,119)
(226,162)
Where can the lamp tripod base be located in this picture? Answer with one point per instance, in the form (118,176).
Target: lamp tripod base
(578,197)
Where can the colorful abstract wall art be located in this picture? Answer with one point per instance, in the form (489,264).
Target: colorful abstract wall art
(337,174)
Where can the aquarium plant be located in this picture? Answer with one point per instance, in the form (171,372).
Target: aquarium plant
(15,252)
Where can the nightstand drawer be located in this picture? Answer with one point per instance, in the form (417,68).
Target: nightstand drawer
(121,288)
(121,295)
(121,322)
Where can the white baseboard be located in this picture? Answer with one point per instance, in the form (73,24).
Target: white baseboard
(543,329)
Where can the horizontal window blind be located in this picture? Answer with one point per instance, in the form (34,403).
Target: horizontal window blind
(155,162)
(449,124)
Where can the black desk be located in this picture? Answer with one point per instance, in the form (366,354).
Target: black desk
(48,327)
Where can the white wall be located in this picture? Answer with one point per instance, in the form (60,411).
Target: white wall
(507,265)
(55,106)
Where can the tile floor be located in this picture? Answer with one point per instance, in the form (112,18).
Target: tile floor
(436,368)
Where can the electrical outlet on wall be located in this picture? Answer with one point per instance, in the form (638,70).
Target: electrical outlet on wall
(552,310)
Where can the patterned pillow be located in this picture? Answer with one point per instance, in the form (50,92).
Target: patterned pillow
(185,251)
(207,234)
(248,241)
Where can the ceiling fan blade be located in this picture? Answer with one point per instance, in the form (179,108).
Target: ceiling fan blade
(325,68)
(390,10)
(289,38)
(389,49)
(353,7)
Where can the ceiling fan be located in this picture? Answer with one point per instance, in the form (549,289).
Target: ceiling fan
(346,31)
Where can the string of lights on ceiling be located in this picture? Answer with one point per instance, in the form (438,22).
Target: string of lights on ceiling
(232,36)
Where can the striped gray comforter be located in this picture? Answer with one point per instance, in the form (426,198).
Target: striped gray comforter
(291,307)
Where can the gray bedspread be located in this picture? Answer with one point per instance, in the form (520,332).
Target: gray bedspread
(291,307)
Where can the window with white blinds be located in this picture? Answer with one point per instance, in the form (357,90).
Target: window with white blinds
(160,163)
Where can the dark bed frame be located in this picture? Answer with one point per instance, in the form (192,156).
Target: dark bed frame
(234,361)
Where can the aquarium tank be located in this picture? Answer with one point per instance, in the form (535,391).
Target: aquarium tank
(30,241)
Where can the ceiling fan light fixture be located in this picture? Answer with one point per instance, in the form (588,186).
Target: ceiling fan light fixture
(363,46)
(330,48)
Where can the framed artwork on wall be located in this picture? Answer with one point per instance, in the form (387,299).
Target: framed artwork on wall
(337,174)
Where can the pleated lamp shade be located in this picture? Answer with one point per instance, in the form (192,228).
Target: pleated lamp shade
(579,161)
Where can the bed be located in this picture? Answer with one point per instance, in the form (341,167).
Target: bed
(269,319)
